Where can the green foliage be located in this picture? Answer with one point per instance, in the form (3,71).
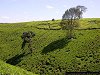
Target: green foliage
(27,38)
(52,54)
(69,25)
(6,69)
(66,24)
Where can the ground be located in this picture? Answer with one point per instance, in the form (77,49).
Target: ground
(52,53)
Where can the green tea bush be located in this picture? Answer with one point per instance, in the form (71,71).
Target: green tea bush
(52,54)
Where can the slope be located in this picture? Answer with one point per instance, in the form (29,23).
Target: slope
(52,53)
(6,69)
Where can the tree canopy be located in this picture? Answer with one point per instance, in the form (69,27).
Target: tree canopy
(74,12)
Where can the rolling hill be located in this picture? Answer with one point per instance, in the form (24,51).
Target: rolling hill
(52,53)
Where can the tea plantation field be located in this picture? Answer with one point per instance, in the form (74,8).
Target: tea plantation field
(52,53)
(6,69)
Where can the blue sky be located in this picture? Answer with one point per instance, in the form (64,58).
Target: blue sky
(32,10)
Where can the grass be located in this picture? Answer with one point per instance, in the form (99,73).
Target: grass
(52,54)
(7,69)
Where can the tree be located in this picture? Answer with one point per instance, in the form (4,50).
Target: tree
(53,19)
(27,38)
(80,10)
(70,19)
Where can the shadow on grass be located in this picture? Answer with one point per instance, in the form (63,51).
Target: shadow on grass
(58,44)
(16,59)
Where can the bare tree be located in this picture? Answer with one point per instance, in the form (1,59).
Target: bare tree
(70,19)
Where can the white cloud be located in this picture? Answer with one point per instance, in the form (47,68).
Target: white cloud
(49,7)
(4,17)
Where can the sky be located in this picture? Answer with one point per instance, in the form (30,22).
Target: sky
(12,11)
